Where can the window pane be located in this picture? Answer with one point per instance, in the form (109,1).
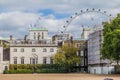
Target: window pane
(33,50)
(51,50)
(22,60)
(15,60)
(44,50)
(44,60)
(51,60)
(22,50)
(33,61)
(15,50)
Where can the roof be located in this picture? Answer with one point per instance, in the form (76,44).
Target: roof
(33,45)
(38,29)
(86,29)
(82,39)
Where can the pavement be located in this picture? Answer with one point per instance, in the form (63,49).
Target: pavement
(69,76)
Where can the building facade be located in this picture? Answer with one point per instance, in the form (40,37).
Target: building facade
(38,33)
(60,38)
(81,44)
(32,53)
(97,65)
(3,63)
(38,49)
(85,33)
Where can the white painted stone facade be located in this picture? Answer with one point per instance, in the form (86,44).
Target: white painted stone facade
(28,53)
(3,64)
(34,32)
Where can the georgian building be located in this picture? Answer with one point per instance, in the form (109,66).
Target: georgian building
(32,53)
(36,32)
(3,63)
(38,49)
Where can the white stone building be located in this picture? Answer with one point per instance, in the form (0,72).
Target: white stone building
(85,33)
(60,38)
(1,58)
(36,32)
(97,65)
(3,64)
(32,53)
(37,50)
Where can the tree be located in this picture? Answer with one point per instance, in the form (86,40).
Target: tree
(67,57)
(59,58)
(111,40)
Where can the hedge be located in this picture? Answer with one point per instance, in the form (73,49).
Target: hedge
(18,71)
(51,71)
(35,66)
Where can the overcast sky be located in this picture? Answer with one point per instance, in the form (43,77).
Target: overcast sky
(17,15)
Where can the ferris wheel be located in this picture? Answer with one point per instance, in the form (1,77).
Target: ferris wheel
(93,15)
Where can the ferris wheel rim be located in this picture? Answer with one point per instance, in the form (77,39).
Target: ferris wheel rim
(77,14)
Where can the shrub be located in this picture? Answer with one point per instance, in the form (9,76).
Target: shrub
(17,71)
(35,66)
(51,71)
(39,68)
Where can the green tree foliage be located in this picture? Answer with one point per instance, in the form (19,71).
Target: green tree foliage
(59,58)
(67,57)
(4,44)
(111,43)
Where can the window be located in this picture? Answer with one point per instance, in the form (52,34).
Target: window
(15,60)
(51,60)
(82,53)
(22,60)
(30,60)
(81,46)
(36,60)
(15,50)
(44,50)
(34,36)
(33,50)
(44,60)
(51,50)
(6,68)
(33,60)
(42,35)
(22,50)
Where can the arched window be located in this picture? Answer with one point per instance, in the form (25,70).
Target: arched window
(34,59)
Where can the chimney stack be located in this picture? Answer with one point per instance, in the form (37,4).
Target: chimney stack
(11,37)
(25,38)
